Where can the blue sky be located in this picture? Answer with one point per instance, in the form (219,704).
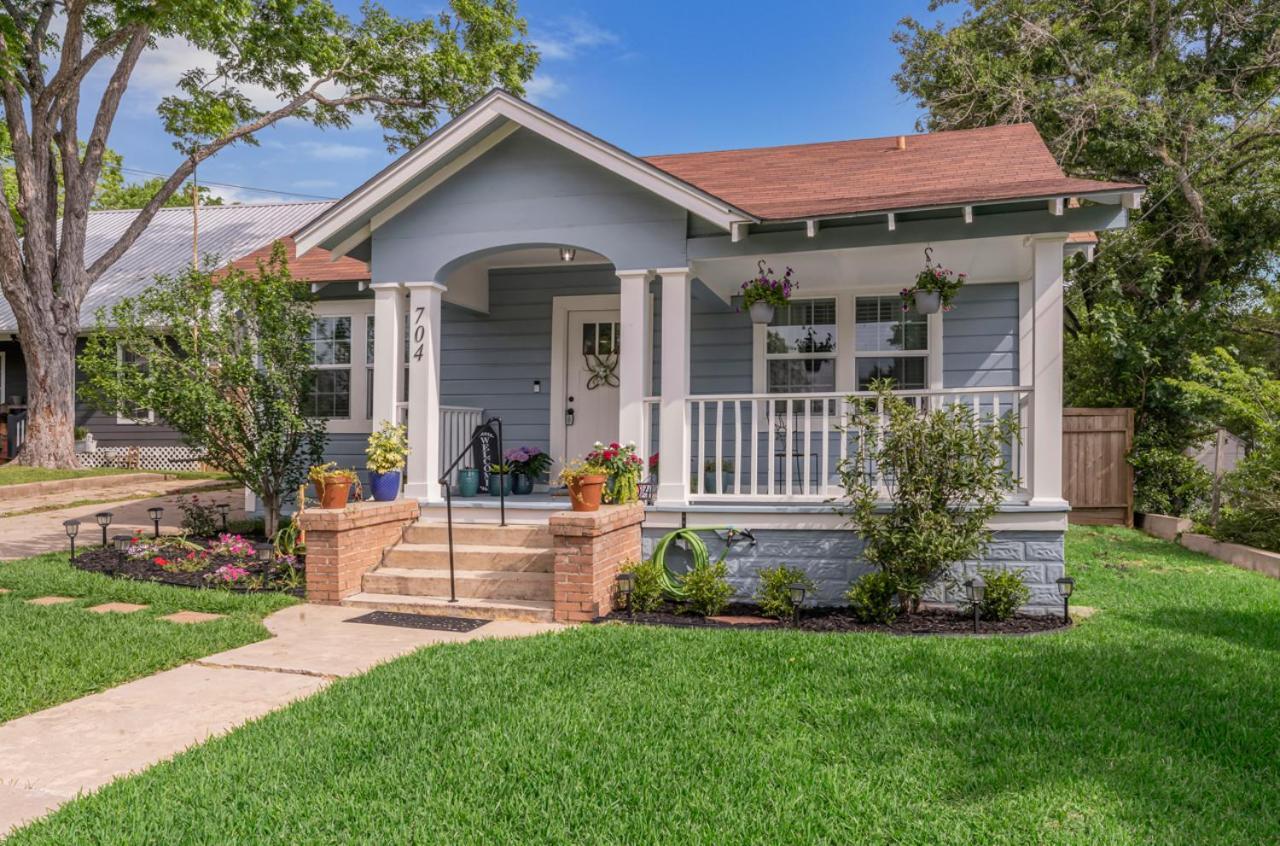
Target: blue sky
(654,77)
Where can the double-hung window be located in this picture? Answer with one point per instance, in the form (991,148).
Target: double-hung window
(800,347)
(330,394)
(890,344)
(130,415)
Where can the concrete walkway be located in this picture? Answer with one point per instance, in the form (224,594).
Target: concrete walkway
(31,534)
(50,757)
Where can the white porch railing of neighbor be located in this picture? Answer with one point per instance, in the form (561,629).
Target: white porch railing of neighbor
(457,422)
(771,447)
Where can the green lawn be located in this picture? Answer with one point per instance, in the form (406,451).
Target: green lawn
(1157,721)
(12,474)
(50,654)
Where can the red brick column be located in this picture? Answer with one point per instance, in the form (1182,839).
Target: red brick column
(343,545)
(590,548)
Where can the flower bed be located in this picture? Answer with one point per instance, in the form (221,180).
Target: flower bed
(928,621)
(225,562)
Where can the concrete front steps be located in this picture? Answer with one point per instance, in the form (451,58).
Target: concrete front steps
(500,573)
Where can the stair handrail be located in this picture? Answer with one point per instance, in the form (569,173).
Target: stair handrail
(448,494)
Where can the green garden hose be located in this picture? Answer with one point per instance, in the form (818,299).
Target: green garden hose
(673,583)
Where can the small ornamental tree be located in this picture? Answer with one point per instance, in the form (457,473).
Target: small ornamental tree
(942,473)
(225,361)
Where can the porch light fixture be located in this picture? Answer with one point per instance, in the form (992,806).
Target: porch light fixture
(976,588)
(626,584)
(568,254)
(798,591)
(154,514)
(1066,586)
(223,508)
(72,528)
(104,520)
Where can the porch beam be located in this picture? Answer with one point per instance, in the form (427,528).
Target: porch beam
(1044,435)
(673,443)
(633,356)
(424,391)
(388,339)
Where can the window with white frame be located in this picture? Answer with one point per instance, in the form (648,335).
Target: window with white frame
(890,343)
(369,357)
(800,347)
(132,416)
(330,394)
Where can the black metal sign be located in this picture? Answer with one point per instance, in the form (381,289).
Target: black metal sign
(484,452)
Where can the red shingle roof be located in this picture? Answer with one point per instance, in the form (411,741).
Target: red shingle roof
(316,266)
(846,177)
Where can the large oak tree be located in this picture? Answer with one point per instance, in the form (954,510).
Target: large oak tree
(323,67)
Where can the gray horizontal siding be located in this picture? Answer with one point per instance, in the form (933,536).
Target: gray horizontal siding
(109,433)
(980,337)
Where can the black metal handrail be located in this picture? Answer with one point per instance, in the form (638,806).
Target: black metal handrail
(448,494)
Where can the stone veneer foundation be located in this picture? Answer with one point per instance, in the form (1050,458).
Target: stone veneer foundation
(833,559)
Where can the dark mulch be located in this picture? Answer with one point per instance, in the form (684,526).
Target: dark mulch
(109,563)
(419,621)
(931,621)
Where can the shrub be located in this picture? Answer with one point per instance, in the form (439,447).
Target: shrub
(1006,592)
(199,518)
(774,594)
(1251,514)
(873,598)
(647,591)
(707,589)
(388,448)
(1169,482)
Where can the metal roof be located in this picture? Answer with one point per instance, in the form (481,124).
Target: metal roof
(227,233)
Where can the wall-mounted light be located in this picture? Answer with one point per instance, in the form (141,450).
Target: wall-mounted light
(568,254)
(537,386)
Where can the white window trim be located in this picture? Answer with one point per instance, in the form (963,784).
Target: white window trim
(358,311)
(124,419)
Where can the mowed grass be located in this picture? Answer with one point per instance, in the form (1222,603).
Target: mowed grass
(1154,722)
(51,654)
(12,474)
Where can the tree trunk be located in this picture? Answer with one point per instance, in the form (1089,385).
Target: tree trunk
(51,400)
(271,514)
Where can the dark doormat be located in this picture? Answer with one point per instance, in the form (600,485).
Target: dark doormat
(419,621)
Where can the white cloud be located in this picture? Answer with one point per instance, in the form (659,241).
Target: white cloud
(232,196)
(158,71)
(331,151)
(543,87)
(571,37)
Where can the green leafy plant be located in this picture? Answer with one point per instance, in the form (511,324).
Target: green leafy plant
(1005,593)
(623,466)
(330,473)
(706,588)
(874,598)
(935,280)
(287,541)
(647,591)
(388,448)
(1169,482)
(580,469)
(774,593)
(766,287)
(529,461)
(199,518)
(943,474)
(500,468)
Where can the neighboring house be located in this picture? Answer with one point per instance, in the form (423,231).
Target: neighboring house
(519,248)
(233,233)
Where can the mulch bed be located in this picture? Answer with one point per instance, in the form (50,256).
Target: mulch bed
(109,563)
(930,621)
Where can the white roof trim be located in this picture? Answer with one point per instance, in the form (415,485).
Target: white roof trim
(359,207)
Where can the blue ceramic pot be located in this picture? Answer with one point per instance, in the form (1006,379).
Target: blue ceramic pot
(468,482)
(499,484)
(521,485)
(384,486)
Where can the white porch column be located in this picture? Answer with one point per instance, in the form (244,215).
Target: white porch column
(388,339)
(673,444)
(1044,435)
(634,362)
(424,391)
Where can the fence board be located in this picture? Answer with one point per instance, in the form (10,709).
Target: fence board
(1097,478)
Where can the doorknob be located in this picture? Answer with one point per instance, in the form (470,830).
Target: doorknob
(568,417)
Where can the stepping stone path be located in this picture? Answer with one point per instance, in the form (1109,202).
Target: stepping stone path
(191,617)
(735,620)
(4,590)
(50,600)
(116,607)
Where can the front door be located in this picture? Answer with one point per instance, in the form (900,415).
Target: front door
(591,383)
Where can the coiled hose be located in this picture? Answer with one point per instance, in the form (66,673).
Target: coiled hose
(673,583)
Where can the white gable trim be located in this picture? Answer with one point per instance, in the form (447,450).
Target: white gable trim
(362,206)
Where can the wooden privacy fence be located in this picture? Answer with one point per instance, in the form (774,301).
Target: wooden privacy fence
(1097,478)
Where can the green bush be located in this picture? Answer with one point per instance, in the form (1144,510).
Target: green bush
(646,592)
(1169,482)
(707,589)
(200,519)
(1251,511)
(874,598)
(774,594)
(1006,592)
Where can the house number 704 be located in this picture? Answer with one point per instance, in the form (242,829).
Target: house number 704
(419,332)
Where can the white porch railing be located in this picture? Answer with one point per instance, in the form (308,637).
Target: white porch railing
(771,447)
(457,423)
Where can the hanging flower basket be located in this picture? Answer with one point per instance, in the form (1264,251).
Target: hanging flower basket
(764,293)
(934,289)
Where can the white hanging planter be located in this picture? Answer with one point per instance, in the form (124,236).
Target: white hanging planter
(928,302)
(761,312)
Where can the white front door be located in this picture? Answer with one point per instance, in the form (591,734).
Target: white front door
(591,382)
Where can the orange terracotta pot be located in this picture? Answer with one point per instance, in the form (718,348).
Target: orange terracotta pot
(333,494)
(585,492)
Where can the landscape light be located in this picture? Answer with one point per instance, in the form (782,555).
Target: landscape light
(626,584)
(155,513)
(798,591)
(104,520)
(72,527)
(1066,586)
(223,508)
(977,588)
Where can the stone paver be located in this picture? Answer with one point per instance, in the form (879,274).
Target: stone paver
(49,757)
(116,608)
(187,617)
(1082,612)
(744,620)
(4,590)
(51,600)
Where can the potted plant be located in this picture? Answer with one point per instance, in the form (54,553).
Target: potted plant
(585,481)
(653,467)
(528,464)
(82,437)
(764,293)
(468,481)
(500,479)
(709,477)
(623,467)
(934,289)
(387,452)
(333,484)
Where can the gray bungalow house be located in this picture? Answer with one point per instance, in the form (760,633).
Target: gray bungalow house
(511,250)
